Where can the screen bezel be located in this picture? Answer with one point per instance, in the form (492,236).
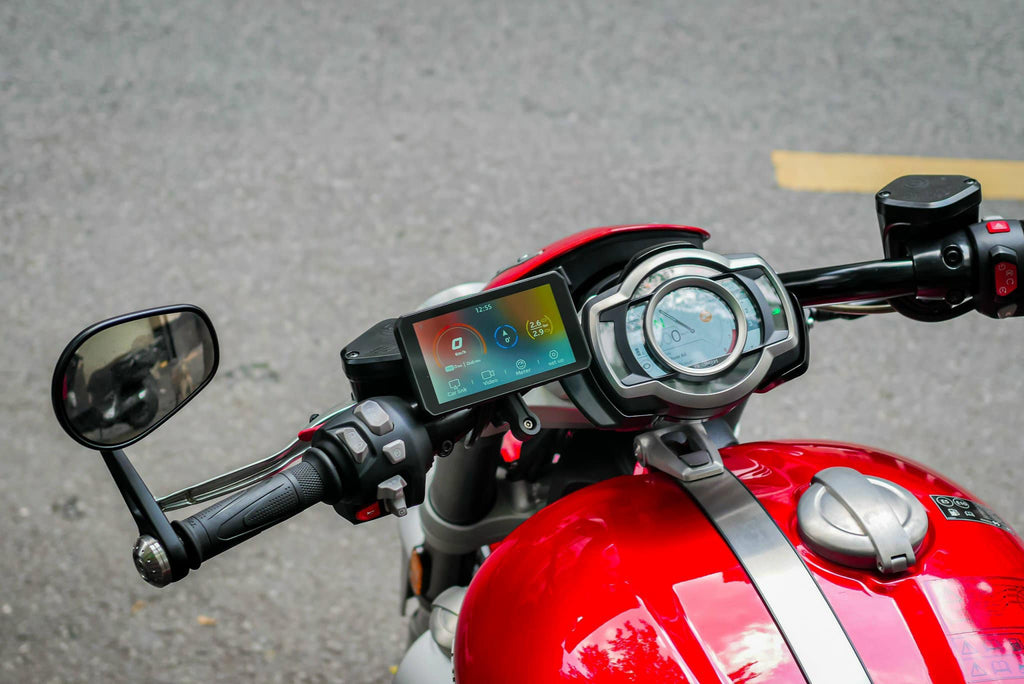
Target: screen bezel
(416,362)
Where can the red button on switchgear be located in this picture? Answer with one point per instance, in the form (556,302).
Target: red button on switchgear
(369,513)
(1006,278)
(998,227)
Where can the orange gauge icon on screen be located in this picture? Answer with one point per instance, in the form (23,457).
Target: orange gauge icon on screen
(457,344)
(705,316)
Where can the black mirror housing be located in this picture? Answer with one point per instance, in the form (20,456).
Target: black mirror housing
(120,379)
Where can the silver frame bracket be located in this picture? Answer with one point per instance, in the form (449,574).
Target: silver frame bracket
(651,451)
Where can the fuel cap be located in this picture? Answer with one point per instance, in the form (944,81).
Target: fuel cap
(861,521)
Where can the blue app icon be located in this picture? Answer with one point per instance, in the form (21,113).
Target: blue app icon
(506,336)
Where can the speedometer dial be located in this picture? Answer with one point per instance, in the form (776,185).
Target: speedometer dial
(696,326)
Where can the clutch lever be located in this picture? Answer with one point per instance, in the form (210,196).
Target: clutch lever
(245,476)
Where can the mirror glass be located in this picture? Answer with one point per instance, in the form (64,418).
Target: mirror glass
(121,381)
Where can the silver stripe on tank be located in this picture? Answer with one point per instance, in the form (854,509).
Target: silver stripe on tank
(810,627)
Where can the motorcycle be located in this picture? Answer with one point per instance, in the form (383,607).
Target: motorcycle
(559,447)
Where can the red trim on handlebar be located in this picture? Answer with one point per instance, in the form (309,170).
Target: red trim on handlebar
(306,434)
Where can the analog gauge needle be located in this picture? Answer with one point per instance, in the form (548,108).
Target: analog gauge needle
(678,321)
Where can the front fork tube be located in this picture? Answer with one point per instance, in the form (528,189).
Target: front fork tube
(464,487)
(462,491)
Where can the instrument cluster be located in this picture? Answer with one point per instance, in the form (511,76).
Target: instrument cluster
(690,333)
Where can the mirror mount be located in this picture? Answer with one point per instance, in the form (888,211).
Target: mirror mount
(119,380)
(164,560)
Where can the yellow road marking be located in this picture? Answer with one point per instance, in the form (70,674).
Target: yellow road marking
(818,172)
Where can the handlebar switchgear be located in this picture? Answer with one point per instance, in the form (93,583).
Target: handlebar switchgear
(960,261)
(382,452)
(999,254)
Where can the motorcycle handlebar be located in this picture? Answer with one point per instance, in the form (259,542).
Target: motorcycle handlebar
(232,521)
(851,282)
(380,450)
(943,275)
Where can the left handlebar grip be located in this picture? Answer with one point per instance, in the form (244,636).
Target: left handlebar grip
(232,521)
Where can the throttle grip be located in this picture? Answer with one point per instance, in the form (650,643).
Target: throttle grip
(232,521)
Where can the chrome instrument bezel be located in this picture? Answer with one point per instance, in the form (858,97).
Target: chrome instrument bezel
(729,298)
(693,405)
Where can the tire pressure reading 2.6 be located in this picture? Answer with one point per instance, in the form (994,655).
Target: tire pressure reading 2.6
(695,326)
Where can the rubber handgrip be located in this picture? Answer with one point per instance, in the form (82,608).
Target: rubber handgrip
(232,521)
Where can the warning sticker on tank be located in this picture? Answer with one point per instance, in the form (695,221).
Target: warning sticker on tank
(983,618)
(990,656)
(956,508)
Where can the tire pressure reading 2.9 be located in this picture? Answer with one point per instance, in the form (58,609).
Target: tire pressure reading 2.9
(498,342)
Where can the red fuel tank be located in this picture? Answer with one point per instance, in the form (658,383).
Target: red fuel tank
(628,580)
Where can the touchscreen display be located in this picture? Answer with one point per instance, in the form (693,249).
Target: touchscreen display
(493,344)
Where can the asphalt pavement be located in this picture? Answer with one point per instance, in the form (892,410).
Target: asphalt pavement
(302,170)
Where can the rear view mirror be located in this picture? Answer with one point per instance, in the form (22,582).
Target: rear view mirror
(118,380)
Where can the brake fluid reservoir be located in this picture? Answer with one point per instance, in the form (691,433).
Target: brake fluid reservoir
(861,521)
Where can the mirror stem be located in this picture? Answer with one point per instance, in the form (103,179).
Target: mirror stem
(144,508)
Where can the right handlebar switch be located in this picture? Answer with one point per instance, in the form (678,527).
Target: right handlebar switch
(999,253)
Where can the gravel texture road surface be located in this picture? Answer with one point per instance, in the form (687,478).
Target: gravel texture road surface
(302,170)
